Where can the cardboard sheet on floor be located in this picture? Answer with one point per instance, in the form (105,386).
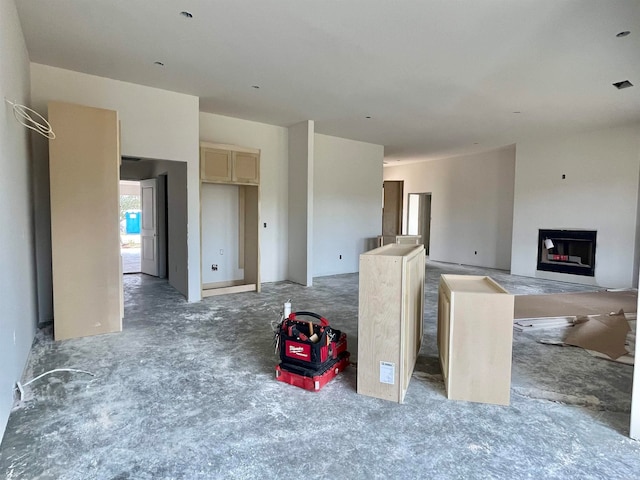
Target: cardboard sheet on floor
(606,334)
(575,304)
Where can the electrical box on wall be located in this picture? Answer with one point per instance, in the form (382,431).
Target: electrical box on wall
(229,201)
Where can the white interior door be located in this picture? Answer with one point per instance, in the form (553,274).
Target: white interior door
(149,228)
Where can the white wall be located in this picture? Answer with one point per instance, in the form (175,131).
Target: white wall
(177,210)
(600,192)
(471,205)
(220,233)
(300,185)
(636,257)
(18,316)
(347,177)
(273,144)
(155,124)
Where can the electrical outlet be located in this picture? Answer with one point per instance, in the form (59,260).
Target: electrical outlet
(265,224)
(340,257)
(475,252)
(221,251)
(214,267)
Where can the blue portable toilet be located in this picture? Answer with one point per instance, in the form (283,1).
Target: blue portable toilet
(132,218)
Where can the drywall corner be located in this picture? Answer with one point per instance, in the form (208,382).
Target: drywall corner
(17,279)
(301,150)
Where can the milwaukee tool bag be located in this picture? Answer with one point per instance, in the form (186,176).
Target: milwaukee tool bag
(312,346)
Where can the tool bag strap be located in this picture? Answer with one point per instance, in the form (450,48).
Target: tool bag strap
(323,321)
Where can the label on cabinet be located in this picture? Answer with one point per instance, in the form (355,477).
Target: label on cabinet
(388,373)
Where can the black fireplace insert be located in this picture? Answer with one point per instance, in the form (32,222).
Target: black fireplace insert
(567,251)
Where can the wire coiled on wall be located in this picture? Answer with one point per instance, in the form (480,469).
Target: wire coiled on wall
(39,125)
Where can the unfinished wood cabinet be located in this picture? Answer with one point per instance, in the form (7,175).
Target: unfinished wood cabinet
(84,175)
(237,168)
(229,164)
(405,239)
(215,164)
(475,332)
(390,316)
(246,168)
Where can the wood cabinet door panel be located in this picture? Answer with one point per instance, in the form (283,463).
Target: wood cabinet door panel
(246,168)
(216,165)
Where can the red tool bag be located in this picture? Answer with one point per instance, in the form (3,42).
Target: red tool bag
(309,345)
(311,379)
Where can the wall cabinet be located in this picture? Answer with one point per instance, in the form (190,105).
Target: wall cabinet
(239,168)
(229,164)
(475,332)
(390,316)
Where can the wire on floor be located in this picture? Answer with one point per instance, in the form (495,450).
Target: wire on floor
(20,386)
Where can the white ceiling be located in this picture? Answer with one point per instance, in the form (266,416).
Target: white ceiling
(438,77)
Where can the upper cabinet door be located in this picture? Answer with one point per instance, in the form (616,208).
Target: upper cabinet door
(215,165)
(246,168)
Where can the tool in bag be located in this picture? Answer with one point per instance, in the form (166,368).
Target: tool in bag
(311,353)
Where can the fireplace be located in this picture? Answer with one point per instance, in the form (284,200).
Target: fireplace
(567,251)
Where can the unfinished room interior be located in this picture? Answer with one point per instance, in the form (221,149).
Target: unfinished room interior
(341,239)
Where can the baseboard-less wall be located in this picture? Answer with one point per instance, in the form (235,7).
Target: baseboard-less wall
(272,141)
(177,211)
(300,212)
(347,202)
(220,233)
(471,205)
(599,192)
(17,276)
(155,123)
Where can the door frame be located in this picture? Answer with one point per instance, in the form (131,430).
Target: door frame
(398,206)
(149,228)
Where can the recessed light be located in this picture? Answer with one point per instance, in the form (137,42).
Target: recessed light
(255,86)
(623,34)
(160,64)
(623,84)
(186,14)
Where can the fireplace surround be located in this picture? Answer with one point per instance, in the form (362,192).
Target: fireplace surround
(567,251)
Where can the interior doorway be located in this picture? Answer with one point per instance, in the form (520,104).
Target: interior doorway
(419,217)
(143,226)
(392,196)
(166,226)
(130,223)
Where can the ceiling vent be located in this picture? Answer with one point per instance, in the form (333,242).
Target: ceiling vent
(130,159)
(623,84)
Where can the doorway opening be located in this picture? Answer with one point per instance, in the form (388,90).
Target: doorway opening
(392,196)
(143,226)
(163,218)
(419,217)
(130,222)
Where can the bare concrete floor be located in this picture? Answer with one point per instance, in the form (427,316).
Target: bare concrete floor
(187,391)
(130,259)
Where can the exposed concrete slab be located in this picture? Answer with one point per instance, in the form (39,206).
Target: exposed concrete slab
(187,391)
(130,260)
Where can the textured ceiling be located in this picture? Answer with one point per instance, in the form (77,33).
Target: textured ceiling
(436,77)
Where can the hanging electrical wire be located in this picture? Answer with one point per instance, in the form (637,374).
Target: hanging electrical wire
(39,125)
